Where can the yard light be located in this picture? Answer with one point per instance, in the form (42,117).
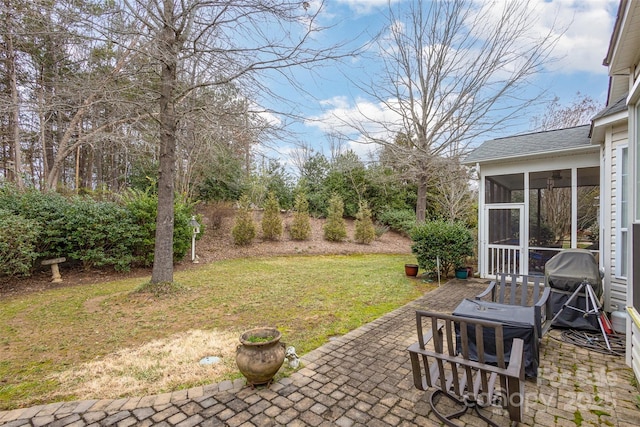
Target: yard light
(195,227)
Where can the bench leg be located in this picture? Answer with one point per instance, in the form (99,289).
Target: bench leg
(55,273)
(464,405)
(515,396)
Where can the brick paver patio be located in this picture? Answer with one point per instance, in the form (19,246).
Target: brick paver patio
(364,379)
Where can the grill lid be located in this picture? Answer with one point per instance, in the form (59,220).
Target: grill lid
(567,269)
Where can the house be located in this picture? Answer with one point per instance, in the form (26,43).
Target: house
(617,130)
(529,207)
(573,188)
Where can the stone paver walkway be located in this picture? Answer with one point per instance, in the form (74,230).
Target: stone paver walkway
(364,379)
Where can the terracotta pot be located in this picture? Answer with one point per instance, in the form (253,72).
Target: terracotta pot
(260,355)
(411,269)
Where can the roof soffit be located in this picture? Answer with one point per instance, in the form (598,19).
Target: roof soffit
(626,46)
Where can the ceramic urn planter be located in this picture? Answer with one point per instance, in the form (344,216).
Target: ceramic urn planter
(260,355)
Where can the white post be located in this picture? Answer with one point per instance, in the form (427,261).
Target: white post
(193,248)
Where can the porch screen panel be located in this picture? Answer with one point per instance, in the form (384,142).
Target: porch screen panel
(504,188)
(588,209)
(504,241)
(549,216)
(550,210)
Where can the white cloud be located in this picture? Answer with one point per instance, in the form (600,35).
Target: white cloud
(364,7)
(341,115)
(587,24)
(582,28)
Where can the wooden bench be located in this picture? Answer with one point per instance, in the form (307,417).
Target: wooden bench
(441,360)
(522,290)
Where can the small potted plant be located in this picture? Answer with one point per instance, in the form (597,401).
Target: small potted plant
(260,355)
(462,272)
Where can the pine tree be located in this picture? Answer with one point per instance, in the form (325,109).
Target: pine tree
(271,221)
(365,230)
(335,229)
(301,225)
(244,229)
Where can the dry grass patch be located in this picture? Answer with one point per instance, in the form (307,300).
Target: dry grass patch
(156,367)
(88,342)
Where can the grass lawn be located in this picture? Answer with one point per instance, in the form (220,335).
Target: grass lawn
(54,343)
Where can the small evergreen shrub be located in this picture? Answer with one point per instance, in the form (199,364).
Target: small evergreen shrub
(271,221)
(451,242)
(301,225)
(365,231)
(335,229)
(18,239)
(400,220)
(244,230)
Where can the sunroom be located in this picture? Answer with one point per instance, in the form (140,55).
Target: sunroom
(538,194)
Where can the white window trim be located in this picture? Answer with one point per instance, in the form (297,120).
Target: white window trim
(620,230)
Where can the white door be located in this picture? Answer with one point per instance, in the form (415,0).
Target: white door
(504,243)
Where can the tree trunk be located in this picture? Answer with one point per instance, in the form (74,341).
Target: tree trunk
(87,168)
(163,253)
(14,118)
(421,203)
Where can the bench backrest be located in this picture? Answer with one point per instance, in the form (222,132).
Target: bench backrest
(451,335)
(450,356)
(515,289)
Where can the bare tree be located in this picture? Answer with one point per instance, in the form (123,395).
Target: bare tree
(452,195)
(556,116)
(231,41)
(300,155)
(452,71)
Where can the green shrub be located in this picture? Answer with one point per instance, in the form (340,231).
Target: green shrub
(335,229)
(45,209)
(244,230)
(400,220)
(365,231)
(301,225)
(271,221)
(96,233)
(452,243)
(143,208)
(18,239)
(182,231)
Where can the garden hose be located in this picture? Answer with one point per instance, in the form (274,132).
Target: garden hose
(593,341)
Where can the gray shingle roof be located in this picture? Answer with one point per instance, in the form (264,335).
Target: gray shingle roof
(616,107)
(531,144)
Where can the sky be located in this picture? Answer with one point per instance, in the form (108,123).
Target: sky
(577,68)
